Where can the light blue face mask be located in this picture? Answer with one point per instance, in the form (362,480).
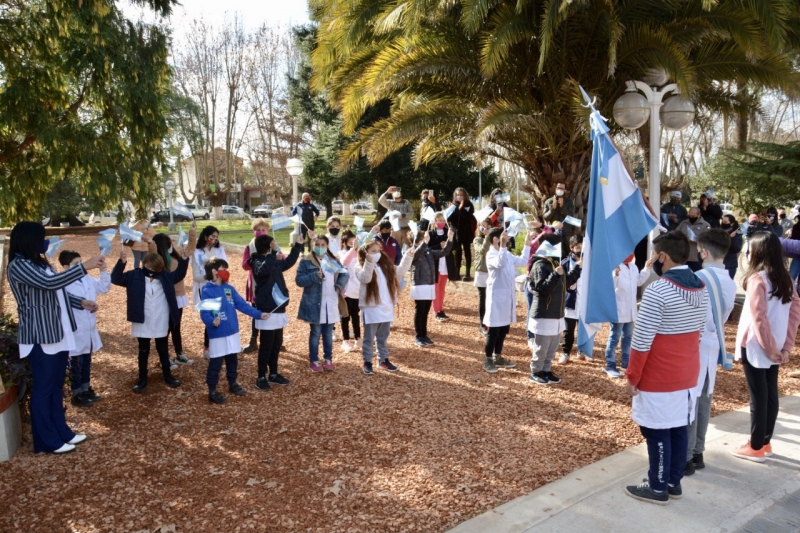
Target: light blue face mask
(320,251)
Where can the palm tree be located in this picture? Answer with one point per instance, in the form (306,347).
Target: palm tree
(500,77)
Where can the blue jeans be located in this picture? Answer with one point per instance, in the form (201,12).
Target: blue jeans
(80,367)
(48,423)
(794,268)
(626,331)
(326,332)
(666,450)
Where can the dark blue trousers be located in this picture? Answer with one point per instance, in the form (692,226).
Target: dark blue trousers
(80,368)
(214,367)
(666,449)
(48,423)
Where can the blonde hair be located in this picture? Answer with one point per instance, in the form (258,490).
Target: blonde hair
(259,223)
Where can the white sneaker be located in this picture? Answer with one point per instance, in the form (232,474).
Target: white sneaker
(173,365)
(347,346)
(531,344)
(564,359)
(206,354)
(77,439)
(66,448)
(613,373)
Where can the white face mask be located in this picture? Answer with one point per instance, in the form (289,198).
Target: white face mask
(375,257)
(559,192)
(170,250)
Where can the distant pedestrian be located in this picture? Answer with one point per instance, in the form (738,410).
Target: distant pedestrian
(308,214)
(464,223)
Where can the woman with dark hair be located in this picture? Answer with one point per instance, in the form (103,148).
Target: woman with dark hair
(710,211)
(428,200)
(46,331)
(464,223)
(207,247)
(772,222)
(731,261)
(766,334)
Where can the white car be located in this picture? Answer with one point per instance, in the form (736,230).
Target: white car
(199,212)
(362,208)
(233,213)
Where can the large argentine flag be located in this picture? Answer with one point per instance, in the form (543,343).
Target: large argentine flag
(617,220)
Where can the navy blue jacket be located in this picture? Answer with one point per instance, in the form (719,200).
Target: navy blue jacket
(134,282)
(267,272)
(572,294)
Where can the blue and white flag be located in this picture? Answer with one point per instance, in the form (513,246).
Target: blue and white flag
(503,198)
(573,221)
(691,234)
(280,222)
(128,234)
(54,245)
(179,209)
(183,239)
(617,220)
(449,211)
(358,222)
(278,297)
(483,214)
(414,227)
(510,215)
(210,304)
(332,267)
(110,233)
(549,250)
(104,242)
(362,237)
(513,228)
(429,214)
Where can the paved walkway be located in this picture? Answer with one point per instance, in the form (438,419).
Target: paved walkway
(729,495)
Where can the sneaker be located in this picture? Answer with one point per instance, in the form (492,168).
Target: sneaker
(420,343)
(531,344)
(65,448)
(467,278)
(252,345)
(283,347)
(689,469)
(173,364)
(623,368)
(217,398)
(428,341)
(359,343)
(333,335)
(580,357)
(262,383)
(699,464)
(92,395)
(387,365)
(367,368)
(563,359)
(206,354)
(81,400)
(140,385)
(674,493)
(347,346)
(613,373)
(172,382)
(237,389)
(644,493)
(328,365)
(183,360)
(488,365)
(746,452)
(501,362)
(441,317)
(588,356)
(316,367)
(552,378)
(540,378)
(767,453)
(277,379)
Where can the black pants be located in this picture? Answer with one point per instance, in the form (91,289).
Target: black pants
(495,340)
(253,331)
(205,338)
(569,335)
(481,303)
(421,310)
(175,332)
(269,348)
(467,254)
(215,365)
(354,311)
(762,384)
(162,347)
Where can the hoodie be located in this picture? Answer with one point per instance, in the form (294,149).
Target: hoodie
(665,353)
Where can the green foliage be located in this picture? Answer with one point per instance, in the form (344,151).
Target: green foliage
(82,97)
(13,369)
(764,175)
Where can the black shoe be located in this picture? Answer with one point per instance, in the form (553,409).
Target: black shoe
(262,383)
(283,348)
(277,379)
(368,369)
(217,398)
(467,278)
(698,461)
(488,365)
(689,469)
(644,493)
(237,389)
(252,346)
(552,378)
(92,395)
(172,382)
(420,342)
(81,400)
(140,385)
(675,493)
(540,378)
(387,365)
(441,317)
(428,341)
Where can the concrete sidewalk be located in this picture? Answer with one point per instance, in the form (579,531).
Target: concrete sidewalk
(730,494)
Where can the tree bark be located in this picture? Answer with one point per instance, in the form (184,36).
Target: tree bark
(573,171)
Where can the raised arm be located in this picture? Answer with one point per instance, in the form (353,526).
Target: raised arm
(26,272)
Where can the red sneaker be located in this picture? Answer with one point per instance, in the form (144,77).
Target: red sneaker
(768,450)
(315,367)
(328,365)
(746,452)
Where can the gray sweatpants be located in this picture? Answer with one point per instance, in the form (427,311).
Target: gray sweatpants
(545,347)
(379,331)
(698,428)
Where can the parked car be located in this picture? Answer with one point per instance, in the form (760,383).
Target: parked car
(101,217)
(338,207)
(727,209)
(163,216)
(362,208)
(263,210)
(321,209)
(199,211)
(233,212)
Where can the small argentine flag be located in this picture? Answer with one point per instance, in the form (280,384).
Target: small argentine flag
(179,209)
(429,214)
(514,227)
(54,246)
(278,297)
(503,198)
(573,221)
(211,304)
(549,250)
(483,214)
(449,211)
(358,222)
(413,227)
(280,222)
(510,215)
(129,234)
(183,239)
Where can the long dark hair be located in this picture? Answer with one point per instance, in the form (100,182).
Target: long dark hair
(766,254)
(796,231)
(202,241)
(27,239)
(163,244)
(387,267)
(734,223)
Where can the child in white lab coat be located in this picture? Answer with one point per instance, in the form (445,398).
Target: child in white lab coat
(627,279)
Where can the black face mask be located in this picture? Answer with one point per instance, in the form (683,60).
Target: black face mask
(726,227)
(658,268)
(334,231)
(44,246)
(782,216)
(699,258)
(693,219)
(385,236)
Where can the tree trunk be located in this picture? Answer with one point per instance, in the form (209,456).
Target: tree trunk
(574,172)
(74,221)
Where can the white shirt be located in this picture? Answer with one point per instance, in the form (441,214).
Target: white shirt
(87,339)
(156,312)
(384,310)
(335,243)
(778,318)
(329,301)
(67,342)
(349,258)
(663,410)
(625,288)
(275,321)
(709,341)
(223,346)
(546,326)
(501,296)
(199,260)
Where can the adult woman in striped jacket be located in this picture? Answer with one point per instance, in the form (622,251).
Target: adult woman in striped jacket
(46,331)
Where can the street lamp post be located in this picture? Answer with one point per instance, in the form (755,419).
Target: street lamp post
(632,110)
(170,186)
(294,167)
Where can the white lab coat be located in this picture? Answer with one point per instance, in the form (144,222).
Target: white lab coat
(87,339)
(501,296)
(625,285)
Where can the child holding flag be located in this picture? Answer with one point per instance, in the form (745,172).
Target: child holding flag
(271,296)
(323,279)
(348,256)
(424,277)
(207,247)
(334,226)
(480,246)
(259,227)
(445,265)
(223,328)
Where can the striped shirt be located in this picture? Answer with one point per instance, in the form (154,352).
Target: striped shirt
(668,309)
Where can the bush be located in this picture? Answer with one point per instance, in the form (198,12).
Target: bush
(13,369)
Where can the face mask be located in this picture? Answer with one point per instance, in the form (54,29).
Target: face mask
(559,192)
(771,218)
(386,235)
(375,257)
(306,200)
(45,245)
(658,268)
(170,250)
(320,250)
(259,233)
(211,241)
(674,201)
(782,216)
(699,257)
(334,231)
(224,275)
(440,225)
(693,219)
(726,227)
